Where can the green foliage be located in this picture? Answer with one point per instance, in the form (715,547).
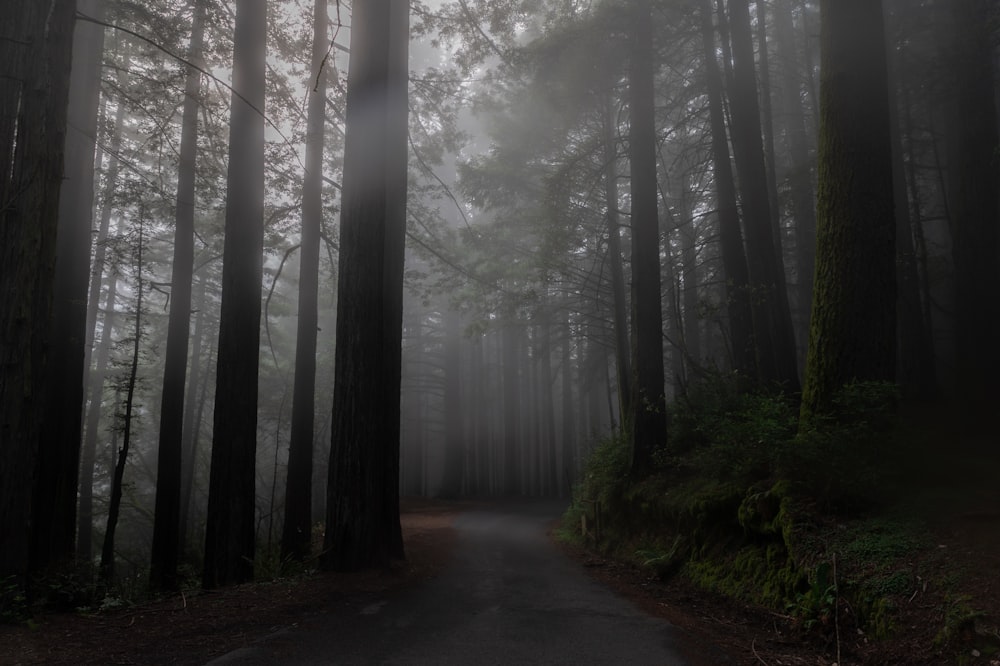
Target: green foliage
(845,459)
(728,434)
(606,473)
(817,604)
(13,600)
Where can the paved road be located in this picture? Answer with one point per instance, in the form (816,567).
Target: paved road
(508,597)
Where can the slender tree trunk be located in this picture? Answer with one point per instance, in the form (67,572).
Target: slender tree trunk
(734,263)
(774,340)
(296,532)
(454,408)
(623,360)
(800,180)
(166,521)
(915,365)
(856,255)
(96,400)
(362,526)
(648,418)
(107,567)
(511,408)
(229,534)
(569,442)
(193,404)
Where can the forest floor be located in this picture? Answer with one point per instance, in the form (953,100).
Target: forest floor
(959,587)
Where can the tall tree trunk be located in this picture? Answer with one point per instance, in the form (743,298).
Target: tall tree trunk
(648,418)
(362,526)
(85,510)
(454,408)
(107,567)
(193,404)
(54,533)
(975,208)
(915,364)
(734,263)
(296,532)
(569,442)
(512,482)
(856,255)
(623,361)
(166,520)
(88,455)
(229,534)
(800,181)
(546,407)
(774,340)
(35,80)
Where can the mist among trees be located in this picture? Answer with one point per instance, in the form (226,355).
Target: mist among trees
(269,266)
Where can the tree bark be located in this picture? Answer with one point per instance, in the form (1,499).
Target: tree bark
(362,527)
(648,418)
(774,340)
(36,88)
(974,170)
(166,520)
(856,256)
(297,528)
(734,263)
(229,534)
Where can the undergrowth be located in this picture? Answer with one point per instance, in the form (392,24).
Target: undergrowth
(745,504)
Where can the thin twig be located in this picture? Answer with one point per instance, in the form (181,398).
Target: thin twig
(753,648)
(836,606)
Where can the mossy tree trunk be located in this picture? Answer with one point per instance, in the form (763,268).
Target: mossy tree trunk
(853,328)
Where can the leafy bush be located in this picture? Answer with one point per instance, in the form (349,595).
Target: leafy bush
(728,435)
(844,459)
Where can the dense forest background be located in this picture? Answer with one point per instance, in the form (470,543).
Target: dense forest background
(608,205)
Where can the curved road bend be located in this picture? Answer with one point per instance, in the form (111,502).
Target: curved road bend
(507,597)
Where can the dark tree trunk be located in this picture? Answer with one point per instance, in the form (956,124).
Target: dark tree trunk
(853,329)
(974,161)
(166,520)
(193,406)
(569,442)
(774,341)
(546,408)
(35,74)
(57,481)
(623,360)
(107,567)
(648,418)
(296,532)
(229,534)
(734,263)
(511,407)
(362,526)
(800,179)
(915,364)
(454,408)
(89,452)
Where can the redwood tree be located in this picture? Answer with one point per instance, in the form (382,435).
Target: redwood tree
(229,536)
(648,419)
(166,522)
(295,536)
(34,89)
(853,328)
(362,513)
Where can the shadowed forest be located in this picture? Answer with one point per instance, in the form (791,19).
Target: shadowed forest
(723,274)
